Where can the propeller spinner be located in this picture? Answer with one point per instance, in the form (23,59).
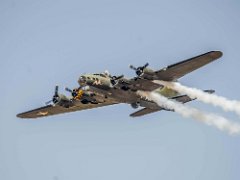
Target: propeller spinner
(74,92)
(114,79)
(139,70)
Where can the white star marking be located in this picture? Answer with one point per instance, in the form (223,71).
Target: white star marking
(42,113)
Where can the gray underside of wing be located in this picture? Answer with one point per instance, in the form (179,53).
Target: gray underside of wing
(54,110)
(176,71)
(145,111)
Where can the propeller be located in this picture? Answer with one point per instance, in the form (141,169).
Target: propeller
(55,97)
(69,90)
(139,70)
(74,91)
(114,79)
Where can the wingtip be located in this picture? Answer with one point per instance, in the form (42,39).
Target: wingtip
(20,115)
(216,54)
(131,115)
(23,116)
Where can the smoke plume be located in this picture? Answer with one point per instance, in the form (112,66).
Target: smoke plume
(189,112)
(224,103)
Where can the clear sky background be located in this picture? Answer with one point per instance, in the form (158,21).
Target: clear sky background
(44,43)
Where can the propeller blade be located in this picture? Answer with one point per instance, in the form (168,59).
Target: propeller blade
(119,77)
(55,96)
(74,92)
(56,90)
(139,70)
(47,103)
(146,65)
(132,67)
(114,79)
(69,90)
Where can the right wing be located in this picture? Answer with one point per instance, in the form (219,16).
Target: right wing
(170,73)
(145,111)
(53,110)
(176,71)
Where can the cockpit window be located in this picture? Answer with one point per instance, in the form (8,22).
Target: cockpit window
(83,77)
(102,75)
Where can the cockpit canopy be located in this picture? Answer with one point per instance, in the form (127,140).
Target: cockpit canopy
(101,74)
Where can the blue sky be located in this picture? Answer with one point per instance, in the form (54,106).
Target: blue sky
(44,43)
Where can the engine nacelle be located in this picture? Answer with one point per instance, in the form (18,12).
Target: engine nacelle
(148,73)
(60,99)
(63,101)
(143,71)
(135,105)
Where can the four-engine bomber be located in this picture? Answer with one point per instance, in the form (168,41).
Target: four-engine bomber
(102,89)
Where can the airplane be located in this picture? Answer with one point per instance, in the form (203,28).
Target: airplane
(103,89)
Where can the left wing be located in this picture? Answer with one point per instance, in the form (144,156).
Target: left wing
(53,110)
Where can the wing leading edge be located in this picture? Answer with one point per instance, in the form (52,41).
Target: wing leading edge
(54,110)
(172,72)
(178,70)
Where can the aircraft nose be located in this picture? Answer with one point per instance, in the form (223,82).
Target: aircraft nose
(82,80)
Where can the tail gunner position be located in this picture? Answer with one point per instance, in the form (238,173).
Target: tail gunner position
(102,89)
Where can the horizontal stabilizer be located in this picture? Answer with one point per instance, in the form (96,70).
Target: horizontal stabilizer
(144,111)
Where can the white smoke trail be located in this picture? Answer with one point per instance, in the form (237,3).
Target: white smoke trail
(189,112)
(224,103)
